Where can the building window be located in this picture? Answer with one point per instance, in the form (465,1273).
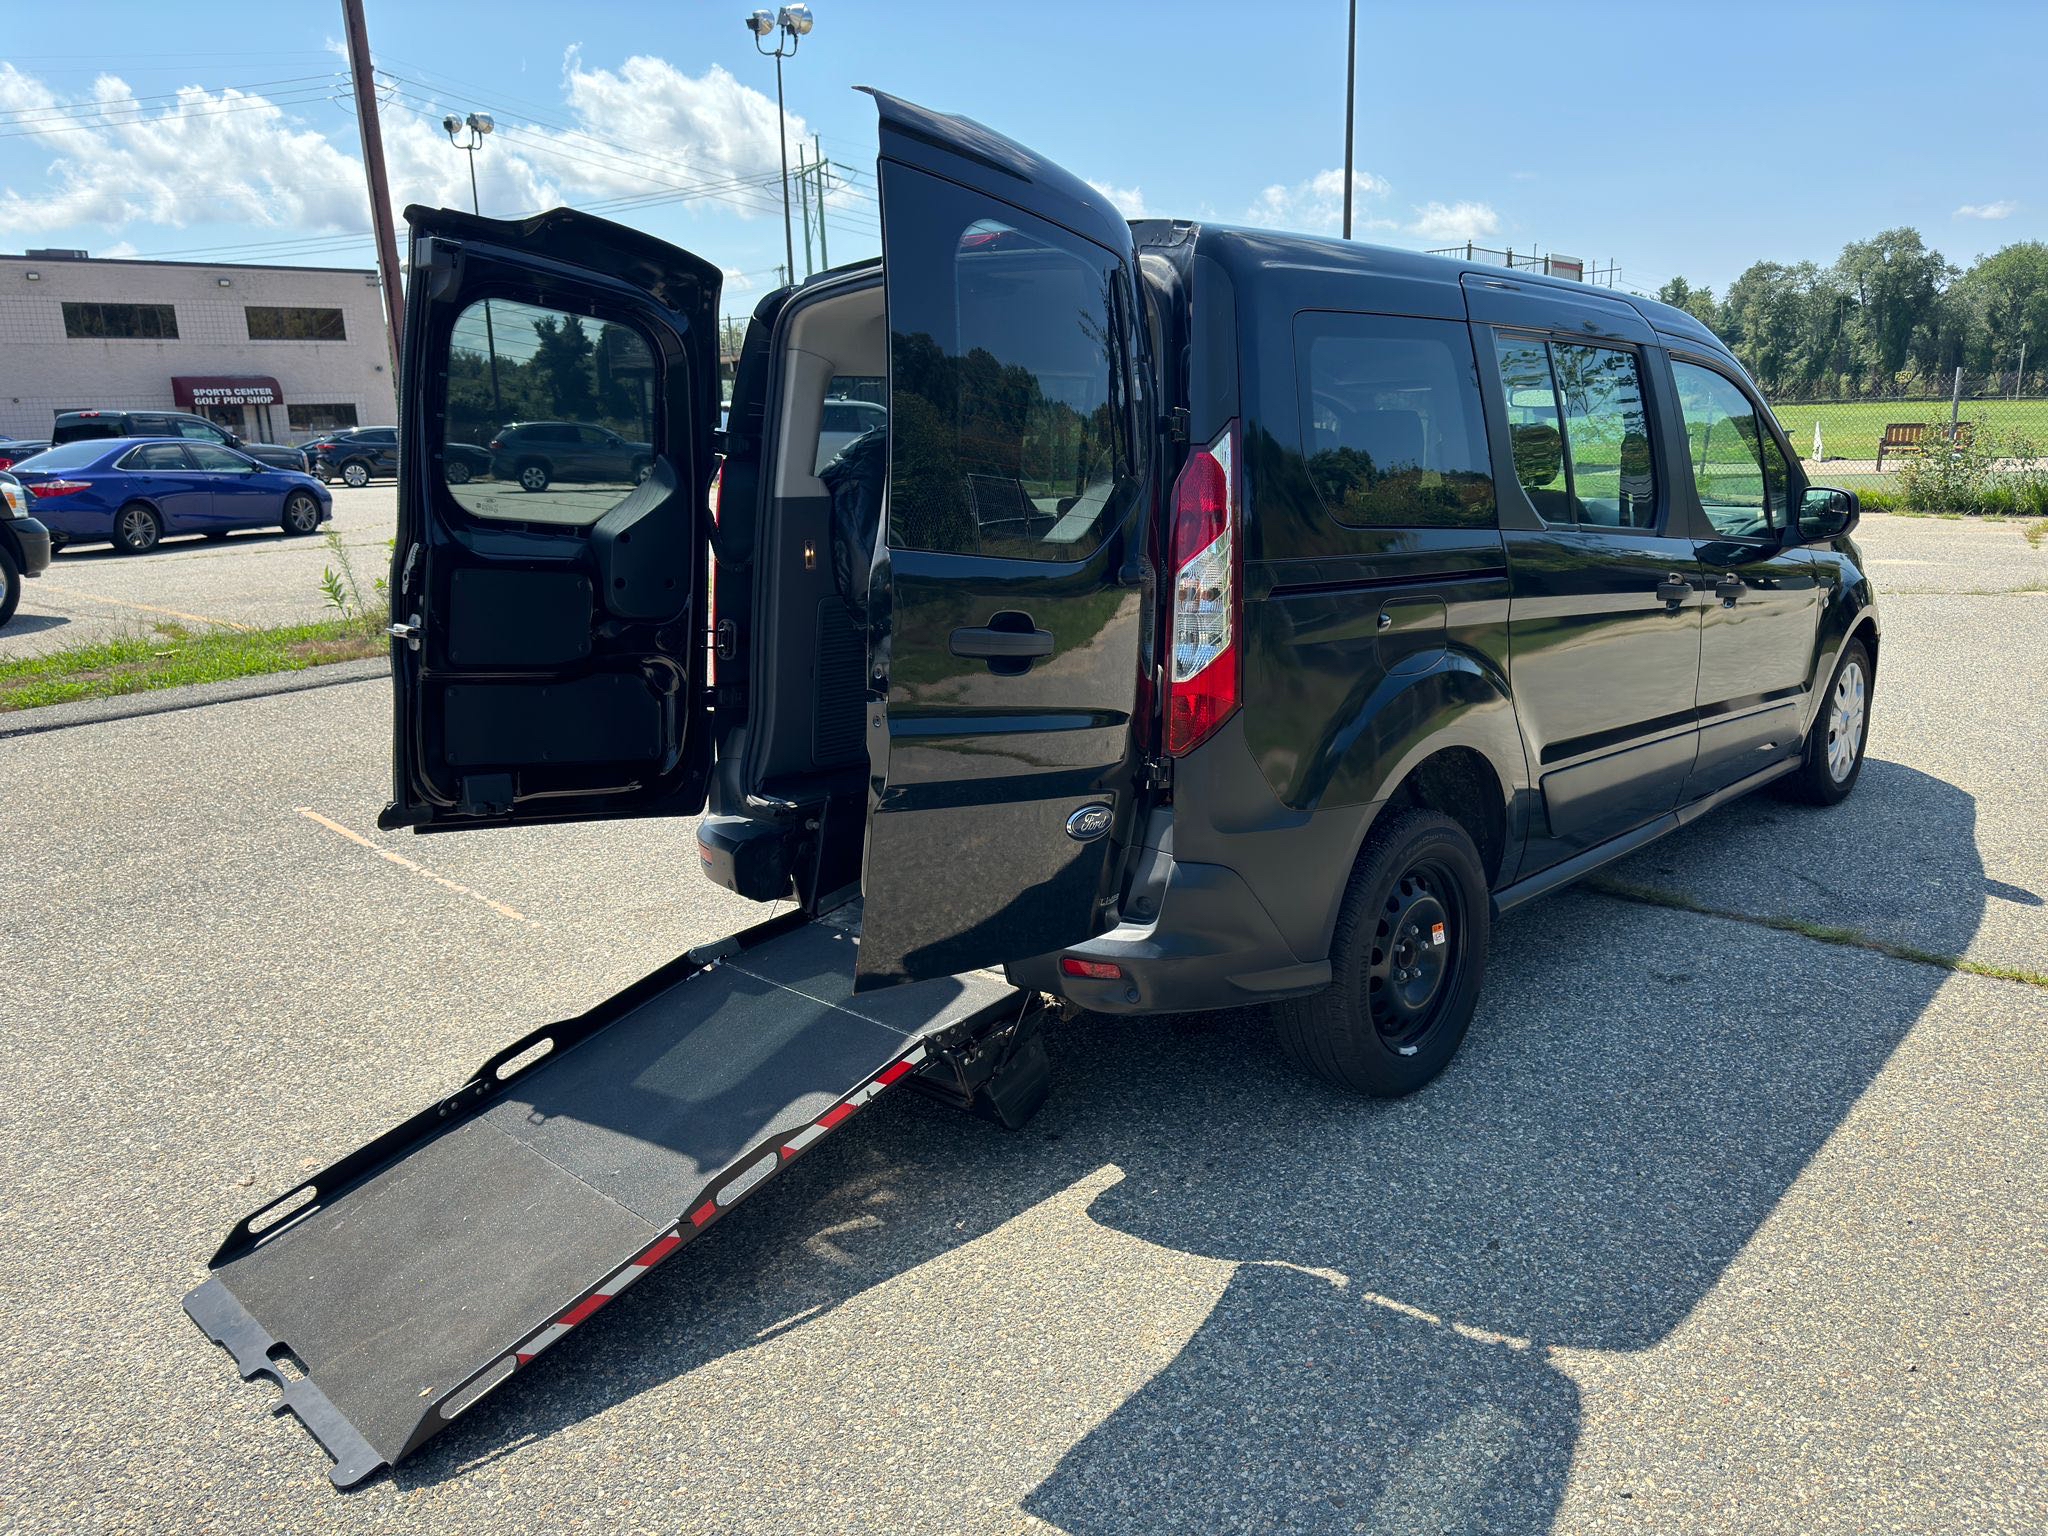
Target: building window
(120,322)
(294,322)
(320,418)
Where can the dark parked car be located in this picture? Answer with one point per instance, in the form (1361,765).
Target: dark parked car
(356,456)
(24,544)
(13,450)
(135,492)
(535,453)
(75,426)
(1468,583)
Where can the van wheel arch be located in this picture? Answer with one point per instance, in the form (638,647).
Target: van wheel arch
(1462,784)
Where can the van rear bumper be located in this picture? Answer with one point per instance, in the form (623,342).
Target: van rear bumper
(1211,945)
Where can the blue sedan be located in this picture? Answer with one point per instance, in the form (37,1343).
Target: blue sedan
(135,492)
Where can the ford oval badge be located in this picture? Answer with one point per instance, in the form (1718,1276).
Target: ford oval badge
(1089,823)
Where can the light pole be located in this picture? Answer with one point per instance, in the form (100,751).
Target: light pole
(479,124)
(1350,94)
(794,23)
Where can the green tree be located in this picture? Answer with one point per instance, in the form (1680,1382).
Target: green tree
(562,363)
(2007,292)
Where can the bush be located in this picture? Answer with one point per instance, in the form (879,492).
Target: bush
(1971,475)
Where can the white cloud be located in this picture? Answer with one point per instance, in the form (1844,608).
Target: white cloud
(2003,209)
(737,281)
(1454,221)
(237,158)
(1128,201)
(1318,203)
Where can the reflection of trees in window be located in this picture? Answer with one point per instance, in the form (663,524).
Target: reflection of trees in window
(989,456)
(1400,495)
(550,367)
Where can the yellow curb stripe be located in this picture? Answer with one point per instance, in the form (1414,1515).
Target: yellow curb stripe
(170,613)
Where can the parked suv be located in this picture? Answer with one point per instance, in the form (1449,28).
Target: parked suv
(355,456)
(533,454)
(73,425)
(1254,617)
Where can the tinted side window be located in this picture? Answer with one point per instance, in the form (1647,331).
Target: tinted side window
(1580,432)
(1390,410)
(1009,431)
(1726,442)
(219,460)
(205,432)
(157,456)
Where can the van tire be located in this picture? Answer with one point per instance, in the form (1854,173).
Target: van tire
(1820,779)
(1385,1027)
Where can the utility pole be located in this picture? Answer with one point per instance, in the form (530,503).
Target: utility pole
(803,186)
(1350,96)
(373,170)
(825,260)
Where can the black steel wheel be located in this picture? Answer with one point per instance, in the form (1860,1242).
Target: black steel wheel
(1406,961)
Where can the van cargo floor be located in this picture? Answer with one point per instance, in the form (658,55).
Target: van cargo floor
(426,1270)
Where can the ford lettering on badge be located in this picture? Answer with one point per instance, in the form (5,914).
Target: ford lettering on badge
(1089,823)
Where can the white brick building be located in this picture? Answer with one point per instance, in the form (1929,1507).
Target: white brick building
(277,354)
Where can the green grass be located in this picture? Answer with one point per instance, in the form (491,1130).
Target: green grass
(170,656)
(1851,430)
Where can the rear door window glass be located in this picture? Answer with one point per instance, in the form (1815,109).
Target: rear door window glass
(219,460)
(1394,435)
(1010,432)
(1579,432)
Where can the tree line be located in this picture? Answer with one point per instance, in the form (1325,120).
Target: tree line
(1890,318)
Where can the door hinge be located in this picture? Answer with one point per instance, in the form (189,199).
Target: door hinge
(726,640)
(1174,423)
(1156,773)
(409,631)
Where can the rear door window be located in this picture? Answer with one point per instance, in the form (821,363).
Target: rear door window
(1579,432)
(1390,410)
(1010,435)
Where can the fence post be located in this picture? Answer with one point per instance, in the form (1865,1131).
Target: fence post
(1955,405)
(2019,380)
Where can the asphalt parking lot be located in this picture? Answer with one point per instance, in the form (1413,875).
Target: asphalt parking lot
(1714,1226)
(259,577)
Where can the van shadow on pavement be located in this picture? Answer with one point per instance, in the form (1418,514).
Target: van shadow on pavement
(1640,1089)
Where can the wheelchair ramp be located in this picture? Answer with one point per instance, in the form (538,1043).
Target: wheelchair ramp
(429,1268)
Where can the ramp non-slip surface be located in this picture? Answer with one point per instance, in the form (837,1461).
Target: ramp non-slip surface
(446,1261)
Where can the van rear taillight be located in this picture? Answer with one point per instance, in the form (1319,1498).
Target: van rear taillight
(1202,669)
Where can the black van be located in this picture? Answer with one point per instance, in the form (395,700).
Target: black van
(1253,616)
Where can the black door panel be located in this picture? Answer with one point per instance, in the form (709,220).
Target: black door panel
(1610,795)
(1736,747)
(1005,624)
(548,658)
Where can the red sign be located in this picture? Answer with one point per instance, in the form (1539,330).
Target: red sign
(254,389)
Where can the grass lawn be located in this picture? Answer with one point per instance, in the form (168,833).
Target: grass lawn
(170,656)
(1852,430)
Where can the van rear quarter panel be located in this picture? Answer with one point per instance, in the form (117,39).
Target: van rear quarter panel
(1337,708)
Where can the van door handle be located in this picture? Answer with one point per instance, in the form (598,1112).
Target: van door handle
(1673,590)
(1729,588)
(992,644)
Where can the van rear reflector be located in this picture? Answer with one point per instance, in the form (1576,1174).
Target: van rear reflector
(1091,970)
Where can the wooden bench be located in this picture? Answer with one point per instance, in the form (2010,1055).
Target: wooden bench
(1903,437)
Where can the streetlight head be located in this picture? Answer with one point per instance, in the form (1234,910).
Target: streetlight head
(482,122)
(451,125)
(796,20)
(761,23)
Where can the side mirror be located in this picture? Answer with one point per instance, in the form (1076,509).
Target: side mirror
(1827,514)
(233,441)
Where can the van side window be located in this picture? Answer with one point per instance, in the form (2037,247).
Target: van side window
(1008,431)
(1390,413)
(1728,445)
(1579,432)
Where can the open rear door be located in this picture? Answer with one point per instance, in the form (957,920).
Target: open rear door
(547,585)
(1007,601)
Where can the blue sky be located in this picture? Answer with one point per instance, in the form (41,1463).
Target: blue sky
(1669,140)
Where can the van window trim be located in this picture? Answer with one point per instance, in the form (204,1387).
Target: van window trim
(1795,477)
(1667,503)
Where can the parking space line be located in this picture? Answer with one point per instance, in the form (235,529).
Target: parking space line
(404,863)
(172,613)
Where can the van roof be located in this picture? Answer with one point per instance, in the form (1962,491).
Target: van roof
(1243,252)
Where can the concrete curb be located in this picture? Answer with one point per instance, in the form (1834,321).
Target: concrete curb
(62,717)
